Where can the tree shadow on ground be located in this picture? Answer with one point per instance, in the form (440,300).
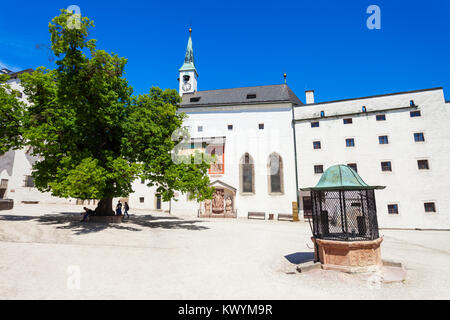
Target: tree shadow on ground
(71,221)
(300,257)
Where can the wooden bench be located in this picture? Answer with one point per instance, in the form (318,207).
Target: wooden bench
(256,215)
(283,216)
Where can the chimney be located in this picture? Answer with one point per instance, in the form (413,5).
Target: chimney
(309,96)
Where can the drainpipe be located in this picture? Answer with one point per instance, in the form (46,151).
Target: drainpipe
(295,157)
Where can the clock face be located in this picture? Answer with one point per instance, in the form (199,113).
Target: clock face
(186,87)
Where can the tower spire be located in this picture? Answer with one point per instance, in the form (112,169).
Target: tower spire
(188,72)
(189,64)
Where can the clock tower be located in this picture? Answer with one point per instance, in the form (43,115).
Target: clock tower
(188,72)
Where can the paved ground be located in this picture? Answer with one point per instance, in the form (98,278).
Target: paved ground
(157,256)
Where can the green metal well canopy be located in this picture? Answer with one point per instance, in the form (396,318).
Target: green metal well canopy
(341,177)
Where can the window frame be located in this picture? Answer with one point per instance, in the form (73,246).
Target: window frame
(381,139)
(397,208)
(434,207)
(350,139)
(422,135)
(347,120)
(390,166)
(319,144)
(318,166)
(424,161)
(280,172)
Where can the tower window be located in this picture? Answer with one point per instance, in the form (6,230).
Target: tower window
(317,145)
(386,166)
(381,117)
(414,114)
(230,127)
(186,77)
(251,96)
(348,121)
(430,207)
(350,142)
(393,208)
(315,124)
(261,126)
(383,139)
(419,137)
(318,169)
(423,164)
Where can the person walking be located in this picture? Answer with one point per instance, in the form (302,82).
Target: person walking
(125,210)
(119,208)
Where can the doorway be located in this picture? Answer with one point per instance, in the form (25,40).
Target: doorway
(158,202)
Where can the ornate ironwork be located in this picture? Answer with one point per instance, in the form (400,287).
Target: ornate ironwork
(348,215)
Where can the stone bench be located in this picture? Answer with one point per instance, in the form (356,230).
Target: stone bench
(284,216)
(6,204)
(252,215)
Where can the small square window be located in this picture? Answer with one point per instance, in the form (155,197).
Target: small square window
(141,199)
(381,117)
(353,166)
(383,139)
(29,181)
(419,137)
(200,128)
(315,124)
(261,126)
(322,114)
(348,121)
(430,207)
(386,166)
(414,114)
(392,208)
(350,142)
(423,164)
(318,169)
(230,127)
(317,145)
(364,109)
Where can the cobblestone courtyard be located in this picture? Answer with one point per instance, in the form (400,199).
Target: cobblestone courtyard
(158,256)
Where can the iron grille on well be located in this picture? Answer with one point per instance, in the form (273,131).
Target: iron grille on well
(348,215)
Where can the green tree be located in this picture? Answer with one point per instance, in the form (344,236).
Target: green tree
(94,138)
(11,114)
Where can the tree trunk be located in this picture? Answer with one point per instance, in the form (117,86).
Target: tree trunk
(104,207)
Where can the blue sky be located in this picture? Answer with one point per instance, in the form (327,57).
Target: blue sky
(321,45)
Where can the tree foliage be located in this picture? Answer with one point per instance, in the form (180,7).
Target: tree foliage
(94,138)
(11,114)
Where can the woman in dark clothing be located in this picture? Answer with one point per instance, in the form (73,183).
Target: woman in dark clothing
(125,209)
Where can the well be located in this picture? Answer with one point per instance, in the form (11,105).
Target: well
(345,227)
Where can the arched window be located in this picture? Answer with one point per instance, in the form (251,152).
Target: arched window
(247,174)
(275,174)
